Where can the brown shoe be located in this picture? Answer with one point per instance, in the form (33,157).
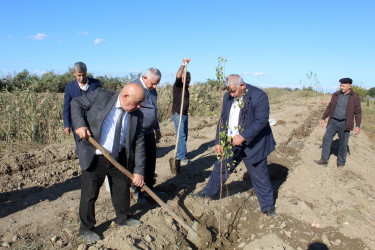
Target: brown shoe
(340,165)
(321,162)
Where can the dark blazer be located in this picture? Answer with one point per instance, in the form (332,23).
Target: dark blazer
(98,104)
(72,90)
(253,123)
(353,110)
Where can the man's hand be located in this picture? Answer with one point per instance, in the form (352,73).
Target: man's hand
(67,131)
(157,135)
(356,130)
(138,180)
(218,149)
(321,123)
(237,140)
(83,132)
(186,60)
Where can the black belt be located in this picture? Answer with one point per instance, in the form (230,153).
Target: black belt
(339,120)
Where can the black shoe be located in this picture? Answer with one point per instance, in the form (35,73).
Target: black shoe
(128,223)
(340,165)
(321,162)
(199,195)
(90,236)
(270,213)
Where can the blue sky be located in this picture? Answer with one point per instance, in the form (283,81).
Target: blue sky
(270,43)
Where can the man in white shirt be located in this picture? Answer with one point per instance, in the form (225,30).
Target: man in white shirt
(114,120)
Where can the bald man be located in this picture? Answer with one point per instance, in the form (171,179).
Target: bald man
(113,119)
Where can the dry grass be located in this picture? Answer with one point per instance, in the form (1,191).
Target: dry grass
(27,116)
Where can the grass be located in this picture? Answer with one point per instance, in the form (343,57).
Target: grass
(368,120)
(27,116)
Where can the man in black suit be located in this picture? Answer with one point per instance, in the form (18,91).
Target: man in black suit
(113,119)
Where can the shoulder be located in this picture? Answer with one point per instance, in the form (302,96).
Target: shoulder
(94,81)
(70,85)
(136,81)
(254,92)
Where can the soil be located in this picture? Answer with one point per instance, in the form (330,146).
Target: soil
(318,207)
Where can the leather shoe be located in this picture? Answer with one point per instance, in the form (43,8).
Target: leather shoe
(321,162)
(340,165)
(199,195)
(90,236)
(128,223)
(270,213)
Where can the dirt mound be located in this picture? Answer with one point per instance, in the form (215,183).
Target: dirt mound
(317,207)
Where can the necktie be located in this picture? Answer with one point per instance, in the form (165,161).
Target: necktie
(116,140)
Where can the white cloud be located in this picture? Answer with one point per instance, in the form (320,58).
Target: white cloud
(39,36)
(10,36)
(83,33)
(39,72)
(259,73)
(245,73)
(59,40)
(98,41)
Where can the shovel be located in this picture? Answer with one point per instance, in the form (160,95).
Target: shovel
(192,234)
(173,162)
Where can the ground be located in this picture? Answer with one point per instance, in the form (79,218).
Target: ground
(318,207)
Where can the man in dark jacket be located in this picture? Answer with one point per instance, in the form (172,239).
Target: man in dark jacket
(243,124)
(76,88)
(345,106)
(113,119)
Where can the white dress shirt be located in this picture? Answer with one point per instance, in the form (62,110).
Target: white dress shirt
(109,127)
(234,116)
(84,87)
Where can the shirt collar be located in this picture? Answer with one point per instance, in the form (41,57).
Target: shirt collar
(143,83)
(84,87)
(118,104)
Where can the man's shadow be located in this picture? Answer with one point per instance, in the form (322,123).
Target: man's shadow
(14,201)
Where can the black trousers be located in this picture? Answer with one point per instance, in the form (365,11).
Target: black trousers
(150,144)
(91,181)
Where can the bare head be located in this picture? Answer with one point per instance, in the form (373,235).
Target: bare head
(235,85)
(151,78)
(80,72)
(131,97)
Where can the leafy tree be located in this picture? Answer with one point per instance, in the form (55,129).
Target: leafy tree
(371,92)
(362,92)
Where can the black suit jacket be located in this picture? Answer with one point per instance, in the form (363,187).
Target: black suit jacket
(98,104)
(253,121)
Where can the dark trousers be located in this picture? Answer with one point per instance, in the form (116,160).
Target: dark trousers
(336,127)
(91,181)
(150,147)
(258,173)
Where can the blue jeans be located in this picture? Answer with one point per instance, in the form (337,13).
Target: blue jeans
(181,150)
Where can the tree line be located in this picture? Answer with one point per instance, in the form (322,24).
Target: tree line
(55,83)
